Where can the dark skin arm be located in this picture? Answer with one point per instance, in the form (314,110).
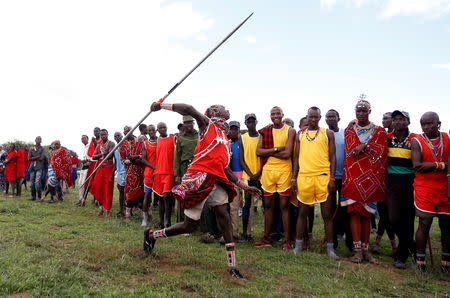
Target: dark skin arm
(144,160)
(416,157)
(184,109)
(111,177)
(283,152)
(250,189)
(296,165)
(332,157)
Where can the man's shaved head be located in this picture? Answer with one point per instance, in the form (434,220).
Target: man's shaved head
(430,116)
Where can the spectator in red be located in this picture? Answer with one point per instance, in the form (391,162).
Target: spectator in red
(20,169)
(10,169)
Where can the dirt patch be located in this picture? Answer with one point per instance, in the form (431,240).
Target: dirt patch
(20,295)
(188,290)
(142,278)
(64,242)
(287,288)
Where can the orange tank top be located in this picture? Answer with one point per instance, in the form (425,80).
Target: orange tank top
(164,155)
(150,148)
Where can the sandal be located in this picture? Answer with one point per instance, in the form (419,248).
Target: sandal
(357,257)
(371,259)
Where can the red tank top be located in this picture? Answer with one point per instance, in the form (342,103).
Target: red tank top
(151,157)
(436,181)
(164,155)
(212,153)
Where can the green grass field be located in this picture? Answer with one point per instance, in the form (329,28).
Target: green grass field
(60,250)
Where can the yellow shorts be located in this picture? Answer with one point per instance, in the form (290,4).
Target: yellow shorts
(312,189)
(276,181)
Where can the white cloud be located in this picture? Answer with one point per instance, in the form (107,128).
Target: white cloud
(328,4)
(443,66)
(391,8)
(250,39)
(431,8)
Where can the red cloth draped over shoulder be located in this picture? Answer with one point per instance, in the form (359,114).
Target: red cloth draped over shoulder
(62,165)
(102,188)
(10,167)
(20,164)
(266,140)
(134,174)
(364,177)
(211,157)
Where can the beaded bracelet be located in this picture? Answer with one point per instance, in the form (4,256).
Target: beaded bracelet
(167,106)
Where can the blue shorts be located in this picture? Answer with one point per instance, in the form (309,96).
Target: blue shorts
(147,189)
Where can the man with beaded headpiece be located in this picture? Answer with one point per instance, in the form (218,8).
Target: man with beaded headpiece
(364,176)
(429,153)
(208,180)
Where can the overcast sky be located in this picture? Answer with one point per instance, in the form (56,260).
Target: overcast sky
(68,66)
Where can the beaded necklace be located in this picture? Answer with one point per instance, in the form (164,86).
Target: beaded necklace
(315,136)
(399,144)
(435,149)
(364,130)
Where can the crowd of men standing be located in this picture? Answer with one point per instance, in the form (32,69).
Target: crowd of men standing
(354,174)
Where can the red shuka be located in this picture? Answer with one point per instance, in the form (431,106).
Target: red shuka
(134,174)
(211,157)
(364,177)
(20,164)
(212,153)
(62,166)
(10,167)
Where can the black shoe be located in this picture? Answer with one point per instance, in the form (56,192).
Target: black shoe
(159,226)
(244,238)
(77,204)
(149,241)
(31,199)
(237,277)
(120,214)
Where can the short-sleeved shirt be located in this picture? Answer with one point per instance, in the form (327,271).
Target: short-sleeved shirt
(37,164)
(235,164)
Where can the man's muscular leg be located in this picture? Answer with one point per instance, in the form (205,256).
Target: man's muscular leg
(284,206)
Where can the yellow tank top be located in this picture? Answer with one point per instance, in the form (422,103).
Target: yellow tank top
(280,138)
(314,155)
(251,159)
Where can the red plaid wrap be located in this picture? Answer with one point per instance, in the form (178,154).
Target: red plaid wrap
(266,139)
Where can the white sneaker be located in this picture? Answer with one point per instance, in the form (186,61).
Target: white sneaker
(144,222)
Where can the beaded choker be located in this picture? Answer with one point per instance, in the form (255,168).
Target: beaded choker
(435,149)
(315,136)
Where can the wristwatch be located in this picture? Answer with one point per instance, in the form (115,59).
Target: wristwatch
(275,149)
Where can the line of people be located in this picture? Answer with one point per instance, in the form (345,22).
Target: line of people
(353,173)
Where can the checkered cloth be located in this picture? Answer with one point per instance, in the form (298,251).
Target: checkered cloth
(267,140)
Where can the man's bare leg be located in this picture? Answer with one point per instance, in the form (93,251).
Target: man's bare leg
(285,217)
(325,208)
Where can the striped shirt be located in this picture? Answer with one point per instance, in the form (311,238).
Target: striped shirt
(399,155)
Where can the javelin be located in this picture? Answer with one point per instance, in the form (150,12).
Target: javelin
(165,96)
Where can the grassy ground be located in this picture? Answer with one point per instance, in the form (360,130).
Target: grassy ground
(60,250)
